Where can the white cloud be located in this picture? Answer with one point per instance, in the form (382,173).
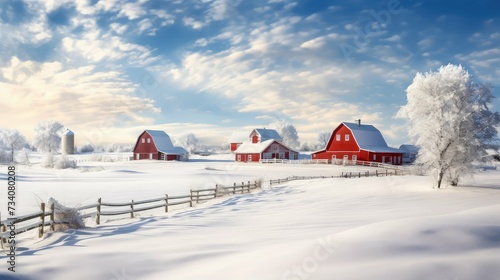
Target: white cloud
(315,44)
(222,9)
(425,43)
(118,28)
(81,97)
(166,18)
(133,10)
(393,38)
(191,22)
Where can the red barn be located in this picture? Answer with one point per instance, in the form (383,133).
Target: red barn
(237,139)
(156,144)
(356,141)
(269,149)
(257,135)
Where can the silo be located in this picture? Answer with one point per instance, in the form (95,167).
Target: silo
(68,142)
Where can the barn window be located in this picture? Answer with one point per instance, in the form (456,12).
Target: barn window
(347,137)
(374,157)
(143,140)
(149,140)
(337,137)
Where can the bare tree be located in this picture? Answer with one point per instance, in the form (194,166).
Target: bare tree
(13,139)
(288,132)
(449,118)
(323,138)
(188,141)
(47,136)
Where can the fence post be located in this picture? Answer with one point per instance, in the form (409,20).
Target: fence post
(234,188)
(191,198)
(350,174)
(376,173)
(242,187)
(98,217)
(359,174)
(386,172)
(342,174)
(52,217)
(132,209)
(248,186)
(166,203)
(2,239)
(40,228)
(216,188)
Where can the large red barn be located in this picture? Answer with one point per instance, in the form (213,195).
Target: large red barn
(356,141)
(269,149)
(156,144)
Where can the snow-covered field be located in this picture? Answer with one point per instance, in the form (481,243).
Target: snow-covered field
(368,228)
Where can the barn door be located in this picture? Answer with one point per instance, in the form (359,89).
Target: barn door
(137,156)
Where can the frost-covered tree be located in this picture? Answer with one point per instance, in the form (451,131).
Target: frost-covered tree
(323,138)
(47,136)
(13,140)
(450,120)
(188,141)
(288,132)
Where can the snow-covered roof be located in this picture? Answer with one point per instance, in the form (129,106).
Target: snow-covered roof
(163,143)
(369,138)
(68,132)
(266,134)
(238,137)
(254,148)
(407,148)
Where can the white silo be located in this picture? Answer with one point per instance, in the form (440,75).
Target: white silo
(68,142)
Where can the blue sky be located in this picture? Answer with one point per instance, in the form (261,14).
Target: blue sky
(109,69)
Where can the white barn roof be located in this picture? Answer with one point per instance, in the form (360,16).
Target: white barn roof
(239,137)
(266,134)
(369,138)
(253,148)
(163,143)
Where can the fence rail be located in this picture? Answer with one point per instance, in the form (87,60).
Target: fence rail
(376,173)
(132,207)
(336,162)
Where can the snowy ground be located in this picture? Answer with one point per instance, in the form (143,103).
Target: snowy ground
(368,228)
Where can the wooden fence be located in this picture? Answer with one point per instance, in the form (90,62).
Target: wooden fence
(377,173)
(132,207)
(336,162)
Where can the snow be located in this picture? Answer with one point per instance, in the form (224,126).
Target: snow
(254,148)
(163,143)
(363,228)
(366,135)
(268,134)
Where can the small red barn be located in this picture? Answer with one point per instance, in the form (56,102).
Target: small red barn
(356,141)
(237,139)
(257,135)
(269,149)
(156,144)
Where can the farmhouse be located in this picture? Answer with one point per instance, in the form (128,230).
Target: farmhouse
(268,149)
(156,144)
(356,141)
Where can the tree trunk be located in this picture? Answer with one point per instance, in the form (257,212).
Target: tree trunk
(440,178)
